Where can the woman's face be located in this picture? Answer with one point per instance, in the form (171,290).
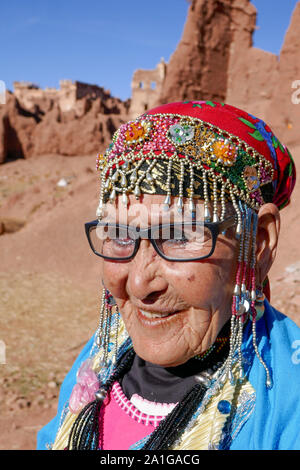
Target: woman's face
(172,310)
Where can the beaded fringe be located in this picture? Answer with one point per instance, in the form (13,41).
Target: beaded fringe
(119,177)
(107,317)
(244,295)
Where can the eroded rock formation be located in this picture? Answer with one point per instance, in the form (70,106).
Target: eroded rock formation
(215,59)
(199,65)
(77,119)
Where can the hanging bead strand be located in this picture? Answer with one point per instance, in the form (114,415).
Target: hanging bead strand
(101,320)
(191,196)
(253,311)
(116,331)
(206,197)
(223,201)
(167,200)
(215,199)
(181,178)
(239,217)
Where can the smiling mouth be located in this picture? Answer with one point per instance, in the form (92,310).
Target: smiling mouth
(152,315)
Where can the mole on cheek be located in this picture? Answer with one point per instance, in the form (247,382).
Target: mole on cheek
(191,278)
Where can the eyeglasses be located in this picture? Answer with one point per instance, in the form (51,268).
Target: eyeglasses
(183,241)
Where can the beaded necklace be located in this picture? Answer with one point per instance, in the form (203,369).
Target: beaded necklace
(217,347)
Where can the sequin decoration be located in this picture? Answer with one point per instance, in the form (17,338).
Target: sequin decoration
(136,132)
(180,134)
(251,178)
(224,152)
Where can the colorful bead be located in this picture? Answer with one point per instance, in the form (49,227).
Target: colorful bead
(224,407)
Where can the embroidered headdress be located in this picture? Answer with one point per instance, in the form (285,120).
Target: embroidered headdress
(197,149)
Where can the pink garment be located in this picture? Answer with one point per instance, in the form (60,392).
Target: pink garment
(121,424)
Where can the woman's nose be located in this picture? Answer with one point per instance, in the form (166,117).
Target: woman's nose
(145,278)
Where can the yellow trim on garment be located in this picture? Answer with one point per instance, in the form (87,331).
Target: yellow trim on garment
(207,430)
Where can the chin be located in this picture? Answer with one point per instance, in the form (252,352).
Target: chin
(160,359)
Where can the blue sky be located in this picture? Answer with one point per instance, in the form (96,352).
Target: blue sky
(103,42)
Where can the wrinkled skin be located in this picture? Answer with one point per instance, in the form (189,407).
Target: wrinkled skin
(200,292)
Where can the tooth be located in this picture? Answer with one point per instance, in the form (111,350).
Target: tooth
(153,314)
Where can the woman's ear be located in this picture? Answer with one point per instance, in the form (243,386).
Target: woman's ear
(267,239)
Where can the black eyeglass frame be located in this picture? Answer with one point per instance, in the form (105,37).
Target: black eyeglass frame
(215,228)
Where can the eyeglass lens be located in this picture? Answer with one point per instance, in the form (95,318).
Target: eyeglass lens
(181,241)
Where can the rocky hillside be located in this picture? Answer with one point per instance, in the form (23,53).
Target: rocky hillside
(45,127)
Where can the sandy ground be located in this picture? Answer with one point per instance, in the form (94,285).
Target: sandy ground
(50,287)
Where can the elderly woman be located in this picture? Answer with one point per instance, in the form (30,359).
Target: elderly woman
(189,354)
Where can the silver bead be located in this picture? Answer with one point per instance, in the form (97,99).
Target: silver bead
(180,204)
(238,229)
(115,176)
(112,195)
(133,177)
(237,290)
(206,214)
(202,380)
(149,177)
(107,184)
(167,200)
(269,383)
(223,378)
(123,181)
(101,394)
(137,191)
(231,377)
